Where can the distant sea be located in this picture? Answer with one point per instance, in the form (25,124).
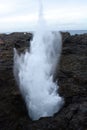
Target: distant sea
(72,32)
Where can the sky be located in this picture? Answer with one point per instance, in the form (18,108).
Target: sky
(22,15)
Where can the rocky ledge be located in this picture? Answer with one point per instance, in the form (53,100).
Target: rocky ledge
(71,77)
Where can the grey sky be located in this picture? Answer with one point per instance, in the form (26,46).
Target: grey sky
(22,15)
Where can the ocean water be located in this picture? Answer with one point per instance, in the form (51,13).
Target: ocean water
(72,32)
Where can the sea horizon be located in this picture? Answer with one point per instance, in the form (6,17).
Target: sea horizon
(72,32)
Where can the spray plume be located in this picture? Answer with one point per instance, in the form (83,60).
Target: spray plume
(34,72)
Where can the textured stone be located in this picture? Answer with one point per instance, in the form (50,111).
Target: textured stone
(71,77)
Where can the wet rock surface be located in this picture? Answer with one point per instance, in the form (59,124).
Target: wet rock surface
(71,77)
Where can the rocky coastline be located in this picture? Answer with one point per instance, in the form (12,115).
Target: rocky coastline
(71,76)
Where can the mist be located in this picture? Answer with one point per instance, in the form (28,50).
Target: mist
(34,71)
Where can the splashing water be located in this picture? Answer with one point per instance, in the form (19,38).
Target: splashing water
(34,72)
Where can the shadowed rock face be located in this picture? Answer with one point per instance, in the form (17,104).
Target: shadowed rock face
(71,76)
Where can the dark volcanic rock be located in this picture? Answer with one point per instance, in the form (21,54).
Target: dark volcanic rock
(71,77)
